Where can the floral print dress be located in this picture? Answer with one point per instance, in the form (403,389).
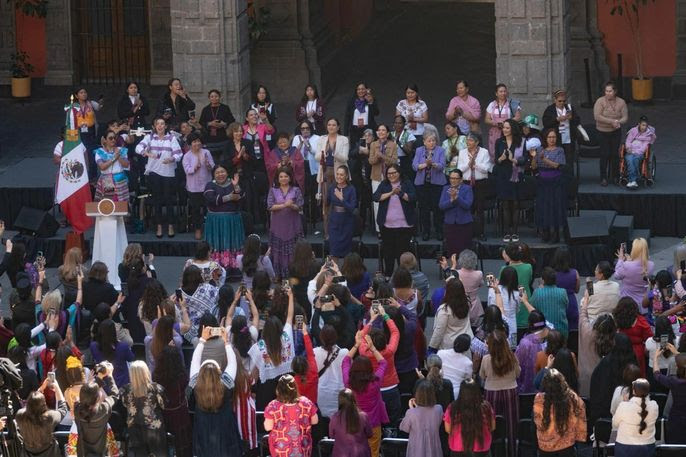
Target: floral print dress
(145,420)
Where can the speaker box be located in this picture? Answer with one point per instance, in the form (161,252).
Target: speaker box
(36,222)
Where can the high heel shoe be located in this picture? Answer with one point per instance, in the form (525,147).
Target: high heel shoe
(170,232)
(158,234)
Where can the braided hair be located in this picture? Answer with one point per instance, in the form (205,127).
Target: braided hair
(641,389)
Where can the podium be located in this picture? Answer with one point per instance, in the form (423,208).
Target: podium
(110,239)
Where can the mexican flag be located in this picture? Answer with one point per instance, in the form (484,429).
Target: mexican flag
(73,191)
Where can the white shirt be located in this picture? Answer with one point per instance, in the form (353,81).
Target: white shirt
(620,394)
(604,299)
(364,116)
(59,147)
(166,147)
(511,305)
(456,367)
(662,361)
(417,110)
(564,127)
(330,382)
(627,419)
(482,165)
(266,370)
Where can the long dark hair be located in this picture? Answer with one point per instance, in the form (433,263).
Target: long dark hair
(361,374)
(353,268)
(240,335)
(503,360)
(516,133)
(153,296)
(620,356)
(106,339)
(17,256)
(267,98)
(604,330)
(304,99)
(559,398)
(509,279)
(136,272)
(562,259)
(191,279)
(348,411)
(251,254)
(168,366)
(625,313)
(456,298)
(162,335)
(36,408)
(493,320)
(271,334)
(302,260)
(471,411)
(565,364)
(663,327)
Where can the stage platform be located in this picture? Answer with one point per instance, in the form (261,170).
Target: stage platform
(659,209)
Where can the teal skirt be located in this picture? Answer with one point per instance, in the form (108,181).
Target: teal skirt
(224,231)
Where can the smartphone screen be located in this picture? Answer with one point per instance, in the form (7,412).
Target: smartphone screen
(299,319)
(589,287)
(623,247)
(682,265)
(179,295)
(663,341)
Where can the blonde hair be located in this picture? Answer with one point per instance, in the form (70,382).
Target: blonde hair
(140,378)
(133,251)
(639,251)
(209,390)
(72,259)
(52,300)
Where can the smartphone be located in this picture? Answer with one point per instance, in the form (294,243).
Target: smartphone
(285,284)
(663,341)
(589,286)
(363,143)
(215,331)
(682,265)
(489,279)
(299,319)
(179,295)
(242,289)
(521,291)
(326,299)
(512,339)
(338,279)
(51,376)
(622,247)
(329,261)
(376,305)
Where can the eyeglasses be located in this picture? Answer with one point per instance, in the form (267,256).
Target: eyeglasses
(304,128)
(111,137)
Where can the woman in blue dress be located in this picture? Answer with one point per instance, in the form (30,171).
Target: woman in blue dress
(342,200)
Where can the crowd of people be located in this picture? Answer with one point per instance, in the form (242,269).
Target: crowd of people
(287,356)
(218,175)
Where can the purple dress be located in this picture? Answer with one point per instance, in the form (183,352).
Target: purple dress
(347,445)
(285,228)
(567,281)
(526,352)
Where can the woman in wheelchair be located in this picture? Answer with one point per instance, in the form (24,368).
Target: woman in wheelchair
(638,140)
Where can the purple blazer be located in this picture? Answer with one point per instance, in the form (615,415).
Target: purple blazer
(437,175)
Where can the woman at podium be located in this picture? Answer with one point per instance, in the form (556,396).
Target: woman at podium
(113,162)
(224,226)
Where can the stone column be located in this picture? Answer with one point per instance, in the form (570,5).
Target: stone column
(586,43)
(532,49)
(210,50)
(679,79)
(7,40)
(285,59)
(58,45)
(159,33)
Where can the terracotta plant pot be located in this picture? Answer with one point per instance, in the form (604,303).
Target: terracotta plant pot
(21,87)
(642,89)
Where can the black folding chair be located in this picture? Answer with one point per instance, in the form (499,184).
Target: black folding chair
(499,437)
(526,436)
(325,446)
(670,450)
(526,405)
(602,430)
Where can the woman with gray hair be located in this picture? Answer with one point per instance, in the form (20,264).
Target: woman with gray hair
(472,279)
(443,388)
(429,161)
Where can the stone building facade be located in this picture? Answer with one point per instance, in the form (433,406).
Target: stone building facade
(540,44)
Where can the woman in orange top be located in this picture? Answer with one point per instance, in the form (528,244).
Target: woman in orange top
(559,415)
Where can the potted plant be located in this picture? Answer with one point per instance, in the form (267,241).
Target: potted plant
(631,10)
(21,75)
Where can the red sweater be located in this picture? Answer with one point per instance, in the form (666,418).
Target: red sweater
(308,387)
(390,377)
(638,334)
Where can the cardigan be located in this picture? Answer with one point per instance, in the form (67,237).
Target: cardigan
(408,206)
(438,159)
(380,161)
(627,419)
(340,154)
(459,210)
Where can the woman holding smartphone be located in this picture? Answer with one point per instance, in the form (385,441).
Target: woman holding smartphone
(360,113)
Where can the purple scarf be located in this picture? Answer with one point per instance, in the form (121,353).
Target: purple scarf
(361,105)
(516,169)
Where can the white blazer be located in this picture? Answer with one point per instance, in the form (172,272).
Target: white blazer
(340,154)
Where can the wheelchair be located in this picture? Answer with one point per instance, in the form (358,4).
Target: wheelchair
(646,168)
